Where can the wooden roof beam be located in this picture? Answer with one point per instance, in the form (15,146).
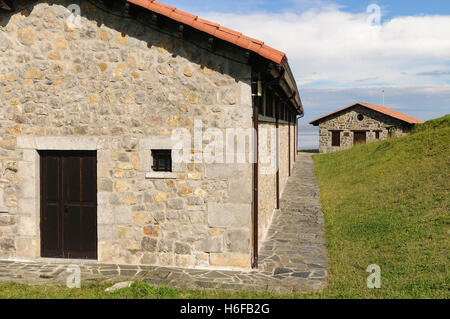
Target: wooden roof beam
(7,5)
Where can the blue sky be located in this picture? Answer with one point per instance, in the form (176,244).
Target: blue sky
(390,8)
(400,7)
(339,57)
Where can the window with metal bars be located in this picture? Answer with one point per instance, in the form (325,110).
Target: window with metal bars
(162,160)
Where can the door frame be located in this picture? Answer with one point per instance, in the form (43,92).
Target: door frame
(28,243)
(62,176)
(360,131)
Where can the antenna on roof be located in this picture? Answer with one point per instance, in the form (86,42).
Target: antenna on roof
(383,96)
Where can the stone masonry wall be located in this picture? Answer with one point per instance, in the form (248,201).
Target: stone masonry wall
(267,194)
(284,153)
(125,85)
(266,182)
(293,145)
(347,122)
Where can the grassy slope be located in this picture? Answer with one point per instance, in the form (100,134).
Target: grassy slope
(387,203)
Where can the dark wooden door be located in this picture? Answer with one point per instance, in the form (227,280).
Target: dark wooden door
(69,204)
(359,137)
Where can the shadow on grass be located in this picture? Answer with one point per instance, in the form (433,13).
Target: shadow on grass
(308,151)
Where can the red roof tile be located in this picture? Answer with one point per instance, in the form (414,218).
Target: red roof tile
(380,109)
(213,29)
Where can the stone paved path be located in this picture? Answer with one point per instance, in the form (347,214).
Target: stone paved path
(293,258)
(295,245)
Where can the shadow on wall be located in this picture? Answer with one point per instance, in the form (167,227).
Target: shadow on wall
(140,28)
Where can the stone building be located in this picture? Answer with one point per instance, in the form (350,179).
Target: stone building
(90,99)
(360,123)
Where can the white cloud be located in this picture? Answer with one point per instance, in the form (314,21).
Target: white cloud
(331,48)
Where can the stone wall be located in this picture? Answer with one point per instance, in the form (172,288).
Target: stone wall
(122,85)
(267,194)
(267,178)
(347,122)
(284,155)
(293,145)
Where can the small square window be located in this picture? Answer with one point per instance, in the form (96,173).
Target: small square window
(162,160)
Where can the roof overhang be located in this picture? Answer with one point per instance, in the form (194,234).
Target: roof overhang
(286,82)
(7,5)
(281,71)
(213,29)
(292,83)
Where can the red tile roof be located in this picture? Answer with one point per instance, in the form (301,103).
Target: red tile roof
(381,109)
(213,29)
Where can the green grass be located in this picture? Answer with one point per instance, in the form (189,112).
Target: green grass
(385,203)
(436,123)
(139,290)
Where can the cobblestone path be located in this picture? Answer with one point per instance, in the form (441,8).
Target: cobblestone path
(293,257)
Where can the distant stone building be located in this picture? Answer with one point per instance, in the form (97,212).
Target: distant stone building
(89,100)
(360,123)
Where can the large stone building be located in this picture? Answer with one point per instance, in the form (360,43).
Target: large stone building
(90,99)
(360,123)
